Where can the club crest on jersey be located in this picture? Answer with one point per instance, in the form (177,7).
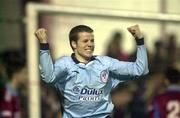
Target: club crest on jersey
(104,76)
(76,90)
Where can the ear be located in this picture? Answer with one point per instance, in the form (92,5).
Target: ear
(74,44)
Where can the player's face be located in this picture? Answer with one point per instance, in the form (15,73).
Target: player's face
(84,47)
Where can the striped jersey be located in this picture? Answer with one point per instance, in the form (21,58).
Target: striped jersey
(167,104)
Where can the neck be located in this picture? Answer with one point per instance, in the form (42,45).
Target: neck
(82,60)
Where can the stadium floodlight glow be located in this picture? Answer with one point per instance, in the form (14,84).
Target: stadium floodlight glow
(34,9)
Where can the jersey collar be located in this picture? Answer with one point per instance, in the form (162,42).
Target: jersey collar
(77,61)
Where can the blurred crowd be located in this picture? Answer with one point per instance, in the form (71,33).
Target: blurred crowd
(131,99)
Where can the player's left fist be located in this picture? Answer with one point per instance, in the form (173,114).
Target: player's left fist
(135,31)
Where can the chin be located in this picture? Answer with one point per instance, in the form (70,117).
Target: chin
(88,56)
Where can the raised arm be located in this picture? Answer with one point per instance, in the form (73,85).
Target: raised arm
(48,69)
(141,65)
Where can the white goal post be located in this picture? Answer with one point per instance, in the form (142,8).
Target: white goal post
(34,9)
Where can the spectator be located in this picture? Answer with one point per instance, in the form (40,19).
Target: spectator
(114,48)
(14,64)
(167,104)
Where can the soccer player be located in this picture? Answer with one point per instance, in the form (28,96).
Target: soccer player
(84,80)
(167,105)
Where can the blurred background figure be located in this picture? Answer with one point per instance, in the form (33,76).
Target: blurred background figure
(159,57)
(14,69)
(114,47)
(167,104)
(172,51)
(121,98)
(2,81)
(50,104)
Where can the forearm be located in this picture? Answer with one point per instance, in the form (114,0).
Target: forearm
(141,64)
(46,64)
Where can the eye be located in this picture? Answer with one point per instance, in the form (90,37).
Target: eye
(85,41)
(92,40)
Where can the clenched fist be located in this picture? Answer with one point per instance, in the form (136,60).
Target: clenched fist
(135,31)
(41,35)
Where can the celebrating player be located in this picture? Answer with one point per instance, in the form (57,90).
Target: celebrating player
(85,80)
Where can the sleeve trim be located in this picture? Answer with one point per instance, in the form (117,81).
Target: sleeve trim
(140,41)
(44,46)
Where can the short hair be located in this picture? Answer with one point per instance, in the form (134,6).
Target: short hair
(73,34)
(173,75)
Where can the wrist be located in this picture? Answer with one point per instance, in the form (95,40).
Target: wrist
(140,36)
(43,41)
(140,41)
(44,46)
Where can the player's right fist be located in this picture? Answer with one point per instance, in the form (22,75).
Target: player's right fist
(41,35)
